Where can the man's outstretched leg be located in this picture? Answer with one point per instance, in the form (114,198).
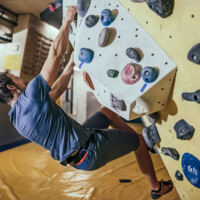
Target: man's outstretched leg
(142,154)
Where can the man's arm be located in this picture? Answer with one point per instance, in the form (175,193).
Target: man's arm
(61,84)
(58,49)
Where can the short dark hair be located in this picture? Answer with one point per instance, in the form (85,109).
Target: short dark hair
(5,94)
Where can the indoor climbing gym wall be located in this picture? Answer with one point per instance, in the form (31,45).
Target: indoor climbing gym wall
(141,58)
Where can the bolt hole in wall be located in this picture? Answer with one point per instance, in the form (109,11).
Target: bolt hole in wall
(192,16)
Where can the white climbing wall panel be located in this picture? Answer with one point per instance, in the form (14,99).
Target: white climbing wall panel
(129,33)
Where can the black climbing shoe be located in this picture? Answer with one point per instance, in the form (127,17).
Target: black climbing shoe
(163,8)
(162,191)
(170,152)
(192,96)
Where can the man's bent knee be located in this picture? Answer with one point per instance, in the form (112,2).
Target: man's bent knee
(108,113)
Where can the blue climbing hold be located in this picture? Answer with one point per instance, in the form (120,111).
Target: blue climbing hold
(86,55)
(107,17)
(191,168)
(149,74)
(82,7)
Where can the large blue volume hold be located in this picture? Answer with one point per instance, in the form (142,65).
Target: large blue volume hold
(86,55)
(82,7)
(191,168)
(107,17)
(149,74)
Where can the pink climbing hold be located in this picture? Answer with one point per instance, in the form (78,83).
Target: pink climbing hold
(131,74)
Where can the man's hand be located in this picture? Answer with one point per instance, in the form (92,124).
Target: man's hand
(71,12)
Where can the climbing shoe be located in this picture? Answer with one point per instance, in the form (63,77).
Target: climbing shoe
(162,190)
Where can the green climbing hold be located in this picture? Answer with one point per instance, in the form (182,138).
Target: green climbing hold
(112,73)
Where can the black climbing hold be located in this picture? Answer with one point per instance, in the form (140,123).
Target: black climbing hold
(194,54)
(112,73)
(86,55)
(149,74)
(184,131)
(117,104)
(91,20)
(104,37)
(82,7)
(163,8)
(151,135)
(193,96)
(179,175)
(124,180)
(170,152)
(107,17)
(133,54)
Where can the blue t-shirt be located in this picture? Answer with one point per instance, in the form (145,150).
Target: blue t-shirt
(39,119)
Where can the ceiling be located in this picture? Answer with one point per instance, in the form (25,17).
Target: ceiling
(34,7)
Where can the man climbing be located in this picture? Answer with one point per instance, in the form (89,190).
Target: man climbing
(38,118)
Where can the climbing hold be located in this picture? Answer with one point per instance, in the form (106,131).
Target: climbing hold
(170,152)
(140,106)
(86,55)
(104,37)
(179,175)
(163,8)
(149,74)
(194,54)
(183,130)
(191,169)
(88,80)
(91,20)
(107,17)
(133,54)
(153,117)
(82,7)
(112,73)
(117,104)
(131,73)
(151,135)
(193,96)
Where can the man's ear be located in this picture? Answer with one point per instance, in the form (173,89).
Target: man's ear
(11,87)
